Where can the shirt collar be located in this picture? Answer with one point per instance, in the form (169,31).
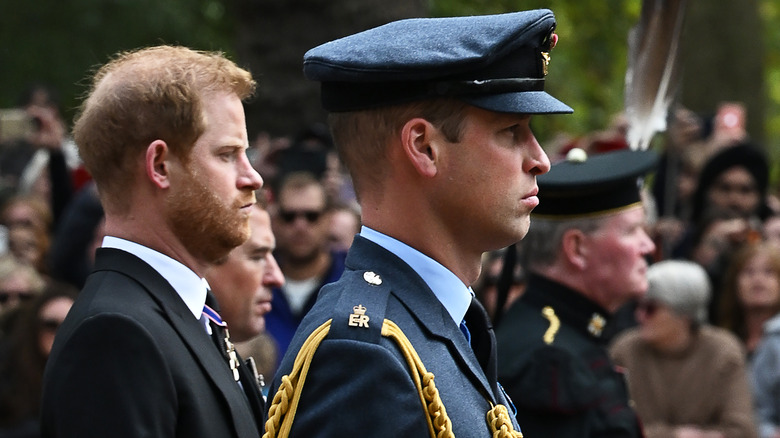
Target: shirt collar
(453,294)
(191,288)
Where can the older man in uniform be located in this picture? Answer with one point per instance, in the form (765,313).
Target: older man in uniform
(586,253)
(431,117)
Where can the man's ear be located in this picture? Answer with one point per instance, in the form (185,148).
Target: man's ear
(157,165)
(575,248)
(422,152)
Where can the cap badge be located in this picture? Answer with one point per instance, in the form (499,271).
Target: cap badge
(596,324)
(372,278)
(552,40)
(545,62)
(358,318)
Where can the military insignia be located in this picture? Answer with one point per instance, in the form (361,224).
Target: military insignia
(596,324)
(545,62)
(555,324)
(358,318)
(230,349)
(552,40)
(372,278)
(259,378)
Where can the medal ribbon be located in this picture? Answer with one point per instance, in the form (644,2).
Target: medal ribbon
(213,316)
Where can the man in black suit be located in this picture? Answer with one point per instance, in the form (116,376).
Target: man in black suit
(431,116)
(164,136)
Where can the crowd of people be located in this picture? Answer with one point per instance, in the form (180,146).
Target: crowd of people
(627,310)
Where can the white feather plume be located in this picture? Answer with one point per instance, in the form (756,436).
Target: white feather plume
(653,69)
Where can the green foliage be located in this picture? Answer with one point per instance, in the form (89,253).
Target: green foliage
(587,70)
(60,42)
(770,11)
(588,67)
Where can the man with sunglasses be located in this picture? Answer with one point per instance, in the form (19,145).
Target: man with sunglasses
(301,225)
(586,255)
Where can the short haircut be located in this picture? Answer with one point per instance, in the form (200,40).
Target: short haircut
(301,180)
(145,95)
(542,244)
(361,137)
(682,285)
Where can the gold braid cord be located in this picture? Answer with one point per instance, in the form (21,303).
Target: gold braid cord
(285,401)
(439,423)
(286,398)
(501,424)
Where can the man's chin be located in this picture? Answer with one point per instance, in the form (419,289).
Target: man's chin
(218,251)
(239,235)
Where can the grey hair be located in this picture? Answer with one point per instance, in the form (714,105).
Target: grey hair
(682,285)
(541,245)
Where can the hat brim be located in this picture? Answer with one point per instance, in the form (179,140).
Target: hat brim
(526,102)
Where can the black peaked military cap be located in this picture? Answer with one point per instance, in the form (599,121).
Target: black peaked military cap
(495,62)
(582,186)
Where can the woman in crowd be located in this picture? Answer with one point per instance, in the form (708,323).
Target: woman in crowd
(751,292)
(687,378)
(26,349)
(19,282)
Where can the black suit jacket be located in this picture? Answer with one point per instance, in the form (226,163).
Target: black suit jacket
(130,360)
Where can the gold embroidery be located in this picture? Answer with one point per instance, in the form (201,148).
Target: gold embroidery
(359,318)
(555,325)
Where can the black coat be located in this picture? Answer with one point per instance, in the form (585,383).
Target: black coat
(568,388)
(130,360)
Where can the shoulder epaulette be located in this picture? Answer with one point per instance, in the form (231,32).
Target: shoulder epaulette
(360,310)
(361,316)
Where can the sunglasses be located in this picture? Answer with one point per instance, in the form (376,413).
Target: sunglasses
(6,296)
(649,308)
(50,325)
(289,216)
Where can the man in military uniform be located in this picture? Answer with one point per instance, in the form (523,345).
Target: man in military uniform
(586,253)
(431,117)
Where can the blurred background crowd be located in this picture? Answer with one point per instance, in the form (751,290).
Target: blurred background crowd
(713,205)
(710,204)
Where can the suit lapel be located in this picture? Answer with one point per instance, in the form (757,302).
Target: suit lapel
(191,331)
(255,397)
(418,298)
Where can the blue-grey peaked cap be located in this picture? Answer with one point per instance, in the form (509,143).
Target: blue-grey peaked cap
(495,62)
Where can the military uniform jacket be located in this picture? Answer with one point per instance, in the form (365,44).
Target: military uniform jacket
(130,360)
(359,383)
(553,362)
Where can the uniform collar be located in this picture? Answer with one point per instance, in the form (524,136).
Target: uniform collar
(453,294)
(571,307)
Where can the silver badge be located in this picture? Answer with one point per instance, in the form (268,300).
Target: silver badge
(372,278)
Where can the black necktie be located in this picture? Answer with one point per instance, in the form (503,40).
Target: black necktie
(221,338)
(483,340)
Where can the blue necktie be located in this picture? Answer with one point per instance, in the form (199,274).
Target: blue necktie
(465,331)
